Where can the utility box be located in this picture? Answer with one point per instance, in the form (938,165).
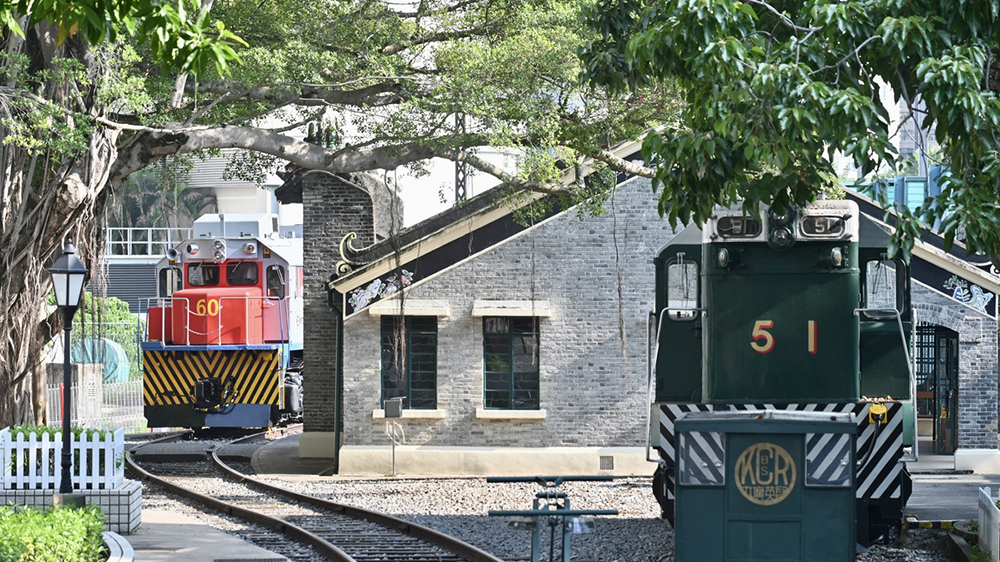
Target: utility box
(773,486)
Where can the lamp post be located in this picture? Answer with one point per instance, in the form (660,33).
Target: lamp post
(68,275)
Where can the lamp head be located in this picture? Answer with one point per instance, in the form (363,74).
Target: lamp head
(68,277)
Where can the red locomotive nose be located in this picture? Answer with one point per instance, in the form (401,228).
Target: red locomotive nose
(217,316)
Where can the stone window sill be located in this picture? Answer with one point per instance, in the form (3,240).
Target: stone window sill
(412,414)
(482,413)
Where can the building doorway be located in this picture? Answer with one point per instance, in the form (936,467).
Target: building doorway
(937,385)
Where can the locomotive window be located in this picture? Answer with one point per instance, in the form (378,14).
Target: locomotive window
(203,275)
(682,289)
(882,289)
(828,459)
(169,281)
(701,459)
(242,273)
(275,281)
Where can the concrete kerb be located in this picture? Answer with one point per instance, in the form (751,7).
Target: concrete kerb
(119,549)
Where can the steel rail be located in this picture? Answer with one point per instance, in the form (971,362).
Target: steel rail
(426,534)
(323,547)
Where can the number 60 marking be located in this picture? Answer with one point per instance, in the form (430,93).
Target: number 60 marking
(207,308)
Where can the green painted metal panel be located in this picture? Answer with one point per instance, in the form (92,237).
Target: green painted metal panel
(678,362)
(781,325)
(772,503)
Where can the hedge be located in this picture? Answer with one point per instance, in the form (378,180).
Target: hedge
(51,535)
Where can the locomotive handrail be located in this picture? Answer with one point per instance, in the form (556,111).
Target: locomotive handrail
(909,364)
(651,362)
(167,303)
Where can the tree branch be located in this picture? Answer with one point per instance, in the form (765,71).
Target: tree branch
(434,38)
(387,92)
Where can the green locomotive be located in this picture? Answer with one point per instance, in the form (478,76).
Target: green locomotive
(798,310)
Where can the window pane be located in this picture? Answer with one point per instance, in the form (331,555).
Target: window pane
(276,281)
(525,324)
(682,288)
(497,399)
(525,400)
(497,381)
(242,273)
(525,381)
(422,344)
(203,275)
(496,325)
(409,360)
(510,359)
(525,344)
(423,323)
(499,363)
(496,344)
(423,400)
(881,288)
(170,281)
(525,363)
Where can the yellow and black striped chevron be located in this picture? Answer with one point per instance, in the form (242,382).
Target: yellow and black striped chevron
(253,374)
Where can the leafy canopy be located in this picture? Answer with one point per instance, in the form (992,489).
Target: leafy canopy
(772,89)
(179,35)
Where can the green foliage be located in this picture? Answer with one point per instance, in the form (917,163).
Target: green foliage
(772,89)
(111,318)
(108,317)
(39,430)
(177,34)
(52,535)
(159,197)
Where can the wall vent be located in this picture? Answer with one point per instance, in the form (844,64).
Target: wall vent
(607,463)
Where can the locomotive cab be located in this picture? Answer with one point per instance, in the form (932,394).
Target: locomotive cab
(224,340)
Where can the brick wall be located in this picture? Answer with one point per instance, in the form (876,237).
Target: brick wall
(331,209)
(977,365)
(592,394)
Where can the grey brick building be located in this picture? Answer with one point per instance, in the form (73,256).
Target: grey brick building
(532,336)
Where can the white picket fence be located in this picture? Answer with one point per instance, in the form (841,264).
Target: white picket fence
(989,524)
(35,462)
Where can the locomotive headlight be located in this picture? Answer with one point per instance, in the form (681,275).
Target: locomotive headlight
(780,219)
(220,250)
(722,257)
(249,248)
(781,237)
(192,249)
(837,257)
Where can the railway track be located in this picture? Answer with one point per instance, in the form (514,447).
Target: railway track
(300,527)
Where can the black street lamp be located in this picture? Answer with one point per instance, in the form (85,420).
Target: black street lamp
(68,275)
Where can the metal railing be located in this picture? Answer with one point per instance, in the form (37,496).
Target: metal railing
(157,311)
(143,242)
(106,406)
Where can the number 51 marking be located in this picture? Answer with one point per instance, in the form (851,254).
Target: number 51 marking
(764,340)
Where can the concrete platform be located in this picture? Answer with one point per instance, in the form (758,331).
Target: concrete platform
(169,536)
